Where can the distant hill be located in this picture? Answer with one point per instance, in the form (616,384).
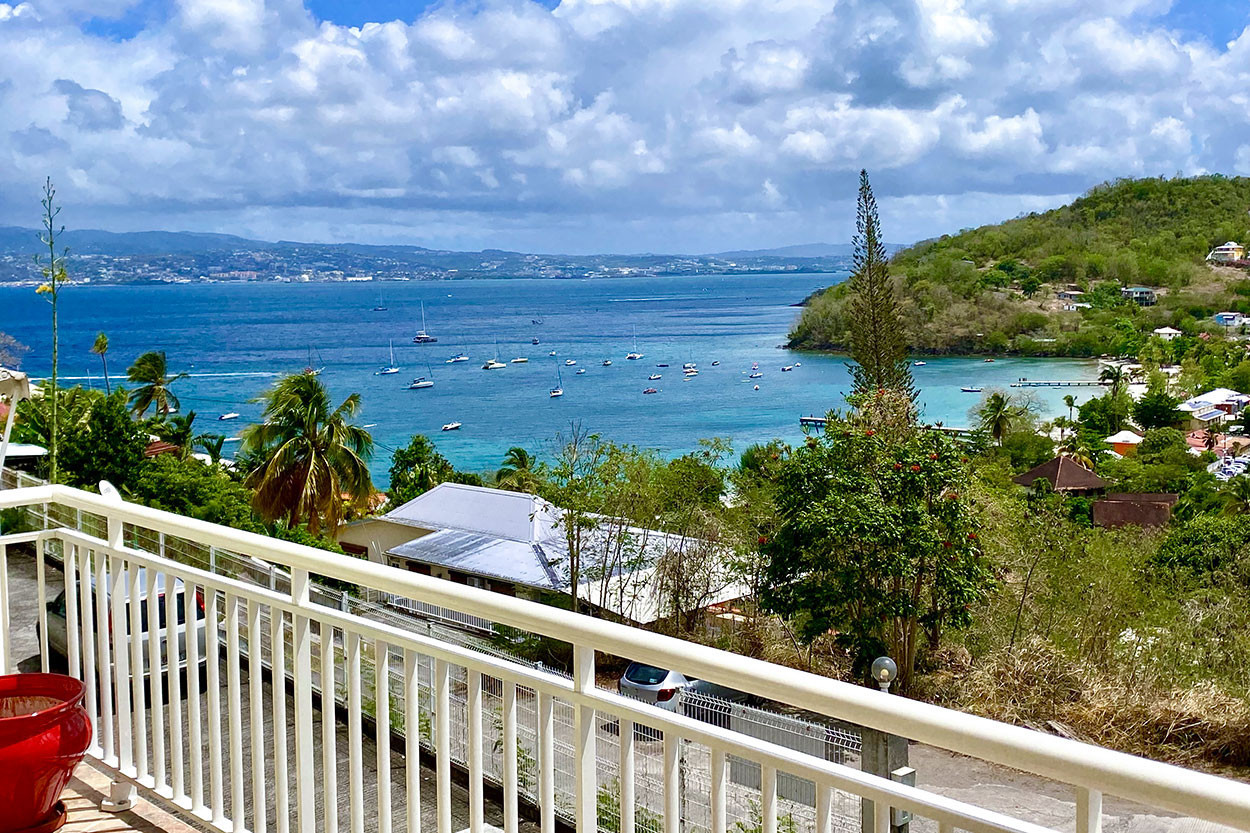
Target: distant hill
(804,250)
(17,240)
(994,289)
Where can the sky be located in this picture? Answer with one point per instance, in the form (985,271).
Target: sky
(587,126)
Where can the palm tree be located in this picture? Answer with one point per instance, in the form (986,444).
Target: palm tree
(151,373)
(997,416)
(1235,494)
(310,458)
(1070,401)
(1114,375)
(101,348)
(1210,440)
(180,431)
(211,444)
(1076,449)
(517,473)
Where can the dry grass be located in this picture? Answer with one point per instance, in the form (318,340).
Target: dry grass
(1036,686)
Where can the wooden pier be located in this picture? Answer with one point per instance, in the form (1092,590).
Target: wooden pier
(1059,383)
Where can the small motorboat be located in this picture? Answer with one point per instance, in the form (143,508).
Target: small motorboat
(716,363)
(971,390)
(231,415)
(534,340)
(690,372)
(607,362)
(918,364)
(421,382)
(755,375)
(459,357)
(662,364)
(569,362)
(519,360)
(552,353)
(653,377)
(798,364)
(689,366)
(787,368)
(580,371)
(989,361)
(757,387)
(650,390)
(452,426)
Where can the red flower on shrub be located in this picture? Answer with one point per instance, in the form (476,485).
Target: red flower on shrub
(946,544)
(972,536)
(915,467)
(932,456)
(898,466)
(763,540)
(869,432)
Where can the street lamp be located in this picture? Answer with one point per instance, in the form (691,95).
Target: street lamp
(884,672)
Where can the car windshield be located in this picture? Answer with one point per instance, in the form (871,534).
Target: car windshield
(645,674)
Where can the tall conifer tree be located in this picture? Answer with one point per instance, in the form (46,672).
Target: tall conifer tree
(878,342)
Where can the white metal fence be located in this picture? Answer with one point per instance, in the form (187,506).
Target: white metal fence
(497,715)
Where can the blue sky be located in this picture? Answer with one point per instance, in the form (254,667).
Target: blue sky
(605,125)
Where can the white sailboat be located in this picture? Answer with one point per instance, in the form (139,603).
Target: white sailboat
(558,390)
(422,337)
(390,368)
(423,381)
(381,307)
(310,368)
(494,364)
(635,355)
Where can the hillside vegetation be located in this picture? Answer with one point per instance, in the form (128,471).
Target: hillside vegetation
(993,289)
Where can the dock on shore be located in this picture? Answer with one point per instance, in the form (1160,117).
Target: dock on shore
(1059,383)
(820,422)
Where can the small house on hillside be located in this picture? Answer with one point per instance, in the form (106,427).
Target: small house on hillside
(1213,407)
(1227,253)
(1064,475)
(1123,442)
(1167,333)
(1143,296)
(1145,510)
(1230,319)
(515,544)
(1069,295)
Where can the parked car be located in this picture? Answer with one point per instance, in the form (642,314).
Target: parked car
(58,630)
(659,686)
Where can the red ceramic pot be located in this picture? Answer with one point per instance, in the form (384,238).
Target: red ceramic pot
(44,732)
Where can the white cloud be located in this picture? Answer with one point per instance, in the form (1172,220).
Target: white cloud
(605,124)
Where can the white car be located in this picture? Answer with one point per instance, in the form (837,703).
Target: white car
(58,629)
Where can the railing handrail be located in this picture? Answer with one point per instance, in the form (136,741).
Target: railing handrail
(1092,767)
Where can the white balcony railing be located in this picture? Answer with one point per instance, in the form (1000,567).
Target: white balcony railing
(253,751)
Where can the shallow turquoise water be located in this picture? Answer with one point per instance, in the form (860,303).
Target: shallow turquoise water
(235,339)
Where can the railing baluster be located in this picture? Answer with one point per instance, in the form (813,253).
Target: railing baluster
(195,736)
(880,817)
(329,751)
(6,658)
(477,807)
(768,799)
(382,730)
(277,690)
(442,743)
(824,809)
(175,649)
(412,739)
(355,737)
(73,638)
(213,660)
(256,715)
(304,786)
(1088,810)
(585,768)
(137,700)
(41,582)
(234,707)
(547,763)
(118,604)
(105,663)
(672,782)
(156,686)
(720,770)
(90,671)
(511,785)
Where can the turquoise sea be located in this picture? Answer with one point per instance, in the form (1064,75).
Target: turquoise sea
(235,339)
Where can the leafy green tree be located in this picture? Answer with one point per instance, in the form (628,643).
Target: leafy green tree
(1158,442)
(1236,496)
(875,542)
(1104,415)
(107,445)
(188,487)
(878,338)
(1030,286)
(1156,410)
(101,348)
(54,277)
(519,472)
(150,373)
(312,458)
(418,467)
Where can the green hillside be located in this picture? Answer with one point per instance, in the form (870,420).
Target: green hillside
(993,289)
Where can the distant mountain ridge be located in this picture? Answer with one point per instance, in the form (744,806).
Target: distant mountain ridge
(18,240)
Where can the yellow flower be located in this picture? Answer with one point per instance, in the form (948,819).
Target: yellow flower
(44,289)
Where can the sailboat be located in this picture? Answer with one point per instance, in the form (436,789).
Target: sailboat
(635,355)
(390,368)
(494,364)
(558,390)
(422,337)
(310,368)
(381,307)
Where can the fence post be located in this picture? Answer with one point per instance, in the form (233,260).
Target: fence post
(881,754)
(585,760)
